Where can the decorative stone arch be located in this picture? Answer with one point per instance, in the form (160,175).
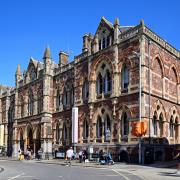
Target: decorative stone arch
(94,66)
(173,112)
(127,62)
(174,68)
(158,58)
(159,108)
(20,132)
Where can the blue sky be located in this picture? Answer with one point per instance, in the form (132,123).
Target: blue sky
(28,26)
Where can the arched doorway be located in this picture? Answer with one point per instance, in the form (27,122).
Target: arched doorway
(37,140)
(124,157)
(21,141)
(29,142)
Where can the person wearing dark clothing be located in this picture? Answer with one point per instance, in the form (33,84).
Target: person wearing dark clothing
(177,157)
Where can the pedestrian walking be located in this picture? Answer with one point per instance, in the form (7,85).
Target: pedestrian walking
(178,163)
(69,155)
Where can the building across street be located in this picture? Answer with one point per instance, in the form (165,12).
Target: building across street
(120,95)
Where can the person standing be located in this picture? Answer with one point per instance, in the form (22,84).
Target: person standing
(69,155)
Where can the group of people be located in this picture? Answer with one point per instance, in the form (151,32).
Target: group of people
(28,154)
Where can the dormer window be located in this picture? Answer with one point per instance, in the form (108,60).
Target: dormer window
(104,39)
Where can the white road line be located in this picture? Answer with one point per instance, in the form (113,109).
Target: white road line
(16,176)
(120,174)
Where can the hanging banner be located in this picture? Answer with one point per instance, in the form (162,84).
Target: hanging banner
(1,135)
(74,125)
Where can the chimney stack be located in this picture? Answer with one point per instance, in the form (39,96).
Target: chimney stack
(63,58)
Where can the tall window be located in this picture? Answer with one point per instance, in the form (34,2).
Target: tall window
(64,132)
(22,107)
(125,124)
(85,90)
(30,104)
(57,133)
(58,100)
(125,77)
(68,96)
(99,84)
(108,81)
(32,74)
(176,128)
(154,122)
(99,127)
(161,124)
(171,127)
(85,129)
(107,128)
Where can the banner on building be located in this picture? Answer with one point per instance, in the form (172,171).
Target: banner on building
(74,125)
(1,135)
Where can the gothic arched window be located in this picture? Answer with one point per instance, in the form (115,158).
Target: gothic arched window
(99,84)
(108,82)
(125,124)
(57,133)
(85,90)
(125,77)
(154,123)
(171,127)
(99,127)
(85,129)
(107,128)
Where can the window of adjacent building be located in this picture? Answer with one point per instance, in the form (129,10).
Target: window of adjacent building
(99,127)
(171,127)
(125,77)
(125,124)
(85,129)
(85,90)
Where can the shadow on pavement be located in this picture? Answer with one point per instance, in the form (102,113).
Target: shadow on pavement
(169,174)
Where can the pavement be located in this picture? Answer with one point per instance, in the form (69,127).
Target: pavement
(168,164)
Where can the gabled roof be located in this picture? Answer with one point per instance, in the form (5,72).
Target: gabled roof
(102,22)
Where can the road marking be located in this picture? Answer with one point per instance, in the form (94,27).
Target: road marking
(16,176)
(120,174)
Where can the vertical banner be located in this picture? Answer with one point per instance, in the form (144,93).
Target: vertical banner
(74,125)
(1,135)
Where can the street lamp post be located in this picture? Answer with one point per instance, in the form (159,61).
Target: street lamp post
(139,57)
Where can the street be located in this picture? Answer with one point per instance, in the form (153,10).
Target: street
(31,170)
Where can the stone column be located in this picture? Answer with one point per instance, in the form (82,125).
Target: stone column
(94,132)
(89,131)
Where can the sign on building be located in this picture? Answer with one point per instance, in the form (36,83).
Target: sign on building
(74,125)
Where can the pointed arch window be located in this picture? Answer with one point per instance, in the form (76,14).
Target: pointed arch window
(85,90)
(64,132)
(161,124)
(58,100)
(85,129)
(22,107)
(125,124)
(107,128)
(108,81)
(99,127)
(154,123)
(176,128)
(99,84)
(171,127)
(57,133)
(125,77)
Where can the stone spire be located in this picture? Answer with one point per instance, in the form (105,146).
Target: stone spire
(116,22)
(47,53)
(18,70)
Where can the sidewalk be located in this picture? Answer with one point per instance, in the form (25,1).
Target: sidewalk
(169,164)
